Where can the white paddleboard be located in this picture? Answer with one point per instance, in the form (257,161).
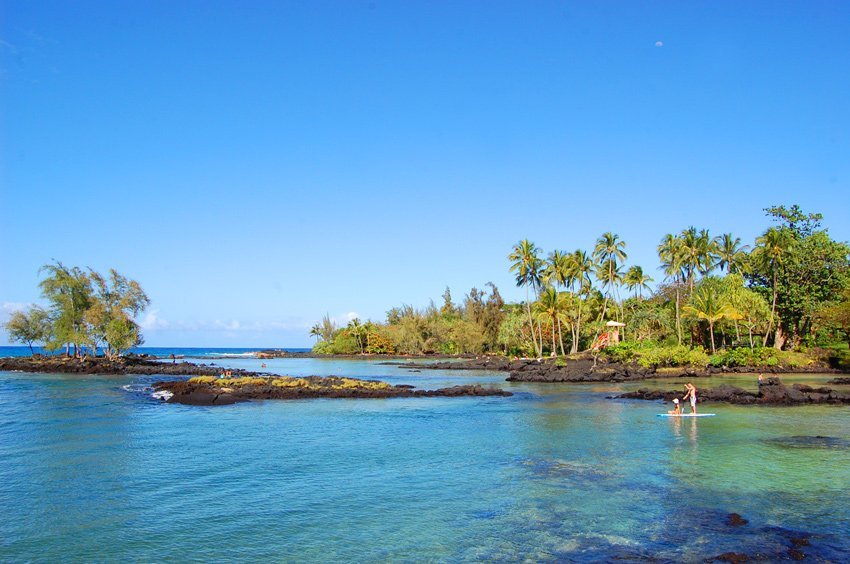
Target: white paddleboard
(687,415)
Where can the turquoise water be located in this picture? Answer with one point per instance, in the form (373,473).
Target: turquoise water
(93,468)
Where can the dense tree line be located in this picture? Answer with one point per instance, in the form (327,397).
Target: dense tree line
(87,312)
(790,289)
(471,326)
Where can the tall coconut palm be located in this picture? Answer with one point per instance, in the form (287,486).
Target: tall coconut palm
(526,263)
(609,253)
(557,272)
(581,265)
(770,253)
(635,278)
(696,250)
(672,256)
(732,256)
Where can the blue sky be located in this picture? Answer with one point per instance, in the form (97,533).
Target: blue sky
(258,164)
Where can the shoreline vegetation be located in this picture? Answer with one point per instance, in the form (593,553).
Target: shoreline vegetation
(782,303)
(781,306)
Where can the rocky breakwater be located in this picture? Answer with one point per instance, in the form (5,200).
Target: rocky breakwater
(771,392)
(209,390)
(101,365)
(582,368)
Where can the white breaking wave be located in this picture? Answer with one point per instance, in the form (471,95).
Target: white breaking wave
(163,395)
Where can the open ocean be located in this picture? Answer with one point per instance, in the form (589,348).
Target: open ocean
(94,468)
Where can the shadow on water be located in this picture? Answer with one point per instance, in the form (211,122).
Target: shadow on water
(813,442)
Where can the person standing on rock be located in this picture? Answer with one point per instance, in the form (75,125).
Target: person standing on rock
(691,394)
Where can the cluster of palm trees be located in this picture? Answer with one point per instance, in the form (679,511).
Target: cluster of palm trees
(692,253)
(563,282)
(575,273)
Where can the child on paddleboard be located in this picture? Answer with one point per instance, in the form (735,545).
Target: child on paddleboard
(677,410)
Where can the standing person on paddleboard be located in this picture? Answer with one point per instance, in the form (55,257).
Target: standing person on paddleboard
(692,395)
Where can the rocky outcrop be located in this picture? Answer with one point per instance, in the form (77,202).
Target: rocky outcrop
(771,392)
(100,365)
(226,391)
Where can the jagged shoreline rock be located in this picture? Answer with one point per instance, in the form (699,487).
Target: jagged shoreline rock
(771,392)
(583,368)
(100,365)
(209,391)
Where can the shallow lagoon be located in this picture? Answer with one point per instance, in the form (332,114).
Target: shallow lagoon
(93,468)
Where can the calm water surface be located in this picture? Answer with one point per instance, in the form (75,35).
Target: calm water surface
(93,468)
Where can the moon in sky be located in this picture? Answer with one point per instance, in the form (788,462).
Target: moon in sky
(659,44)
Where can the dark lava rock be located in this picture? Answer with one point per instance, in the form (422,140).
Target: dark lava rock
(796,554)
(732,557)
(735,520)
(123,365)
(211,393)
(801,541)
(771,392)
(839,381)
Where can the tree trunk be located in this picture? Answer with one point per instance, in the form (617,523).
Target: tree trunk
(711,333)
(531,321)
(554,350)
(540,338)
(772,313)
(678,319)
(560,337)
(779,338)
(575,347)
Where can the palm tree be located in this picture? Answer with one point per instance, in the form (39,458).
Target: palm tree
(550,307)
(608,253)
(527,266)
(358,330)
(707,303)
(672,256)
(635,278)
(316,331)
(581,265)
(770,253)
(558,273)
(731,254)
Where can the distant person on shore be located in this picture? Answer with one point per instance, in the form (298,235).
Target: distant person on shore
(677,410)
(691,394)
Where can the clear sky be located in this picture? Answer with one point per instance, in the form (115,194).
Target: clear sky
(255,165)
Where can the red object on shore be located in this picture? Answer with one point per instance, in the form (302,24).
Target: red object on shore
(600,342)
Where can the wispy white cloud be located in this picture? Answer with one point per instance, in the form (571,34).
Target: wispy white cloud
(153,322)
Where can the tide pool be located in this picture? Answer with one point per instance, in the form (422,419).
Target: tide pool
(93,468)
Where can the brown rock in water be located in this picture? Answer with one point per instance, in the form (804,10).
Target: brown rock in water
(735,520)
(800,541)
(795,554)
(732,557)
